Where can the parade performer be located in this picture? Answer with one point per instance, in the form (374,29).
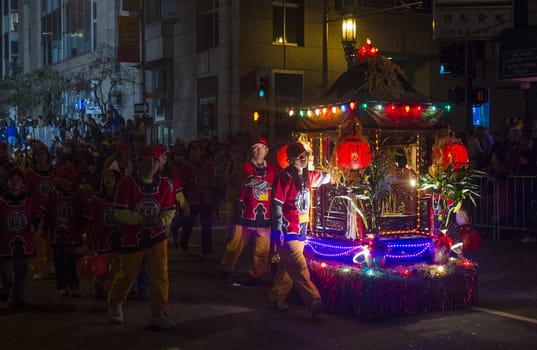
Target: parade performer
(38,181)
(19,217)
(102,232)
(63,224)
(253,219)
(290,218)
(144,206)
(197,176)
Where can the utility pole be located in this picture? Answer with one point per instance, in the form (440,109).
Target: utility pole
(324,83)
(468,71)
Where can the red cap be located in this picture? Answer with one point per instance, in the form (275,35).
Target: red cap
(123,148)
(179,148)
(295,149)
(151,152)
(161,149)
(67,173)
(16,171)
(70,142)
(260,141)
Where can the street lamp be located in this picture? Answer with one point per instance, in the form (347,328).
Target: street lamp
(348,39)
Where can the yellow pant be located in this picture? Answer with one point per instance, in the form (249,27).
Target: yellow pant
(293,270)
(156,258)
(43,260)
(234,248)
(106,281)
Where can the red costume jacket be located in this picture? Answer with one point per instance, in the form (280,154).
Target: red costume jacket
(39,185)
(153,198)
(294,202)
(63,216)
(198,182)
(103,230)
(16,216)
(254,200)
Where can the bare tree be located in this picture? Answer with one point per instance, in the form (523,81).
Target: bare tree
(26,92)
(104,76)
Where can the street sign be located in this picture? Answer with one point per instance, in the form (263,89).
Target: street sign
(141,108)
(471,22)
(519,63)
(93,109)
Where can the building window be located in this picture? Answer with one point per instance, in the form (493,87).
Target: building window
(288,22)
(207,24)
(152,10)
(51,37)
(207,106)
(78,21)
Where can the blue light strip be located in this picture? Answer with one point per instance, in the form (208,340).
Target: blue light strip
(320,248)
(331,250)
(407,256)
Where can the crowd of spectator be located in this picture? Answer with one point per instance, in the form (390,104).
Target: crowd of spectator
(501,154)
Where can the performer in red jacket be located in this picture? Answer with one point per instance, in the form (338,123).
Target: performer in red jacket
(144,206)
(19,217)
(253,219)
(290,218)
(63,224)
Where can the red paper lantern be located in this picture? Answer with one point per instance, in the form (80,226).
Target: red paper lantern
(281,157)
(90,266)
(354,153)
(455,153)
(471,240)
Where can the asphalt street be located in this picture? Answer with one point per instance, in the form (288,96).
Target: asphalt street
(213,315)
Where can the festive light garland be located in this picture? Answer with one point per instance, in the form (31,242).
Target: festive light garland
(397,291)
(400,109)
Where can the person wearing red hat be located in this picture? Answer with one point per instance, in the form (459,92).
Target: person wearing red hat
(6,164)
(197,176)
(120,160)
(102,232)
(170,172)
(290,218)
(39,181)
(144,206)
(253,215)
(63,225)
(19,217)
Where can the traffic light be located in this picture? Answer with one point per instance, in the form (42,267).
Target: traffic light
(452,59)
(456,94)
(258,116)
(262,85)
(480,95)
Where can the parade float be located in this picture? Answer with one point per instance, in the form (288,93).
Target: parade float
(378,244)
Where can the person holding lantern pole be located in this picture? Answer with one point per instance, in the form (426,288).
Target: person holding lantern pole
(290,218)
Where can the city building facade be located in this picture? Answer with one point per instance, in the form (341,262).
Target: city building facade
(202,64)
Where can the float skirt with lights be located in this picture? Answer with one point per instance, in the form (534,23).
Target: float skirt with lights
(397,291)
(405,283)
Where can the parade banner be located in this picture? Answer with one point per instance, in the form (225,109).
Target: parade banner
(128,49)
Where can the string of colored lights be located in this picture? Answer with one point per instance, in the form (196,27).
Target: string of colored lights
(402,108)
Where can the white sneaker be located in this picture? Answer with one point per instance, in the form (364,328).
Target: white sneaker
(280,306)
(317,308)
(115,314)
(529,239)
(161,321)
